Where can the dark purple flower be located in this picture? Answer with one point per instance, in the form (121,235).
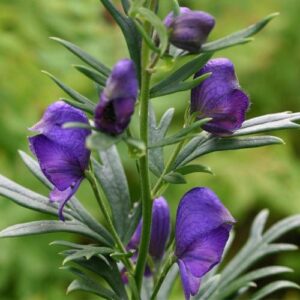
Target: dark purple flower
(220,97)
(202,230)
(190,29)
(160,229)
(117,101)
(61,152)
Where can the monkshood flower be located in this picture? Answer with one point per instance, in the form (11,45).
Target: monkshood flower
(117,101)
(61,152)
(160,230)
(190,29)
(202,230)
(220,97)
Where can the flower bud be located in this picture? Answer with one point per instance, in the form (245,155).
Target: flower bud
(190,29)
(61,152)
(220,97)
(202,229)
(117,101)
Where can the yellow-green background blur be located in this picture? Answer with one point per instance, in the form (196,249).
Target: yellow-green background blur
(246,180)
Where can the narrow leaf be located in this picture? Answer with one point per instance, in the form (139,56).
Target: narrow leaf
(168,283)
(183,73)
(259,224)
(175,178)
(112,178)
(93,75)
(208,287)
(195,168)
(79,105)
(239,37)
(101,141)
(87,58)
(72,93)
(179,87)
(272,287)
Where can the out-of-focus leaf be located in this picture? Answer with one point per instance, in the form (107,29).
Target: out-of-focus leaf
(240,37)
(112,178)
(272,287)
(87,103)
(208,287)
(40,227)
(183,73)
(179,87)
(84,56)
(93,75)
(156,134)
(168,283)
(101,141)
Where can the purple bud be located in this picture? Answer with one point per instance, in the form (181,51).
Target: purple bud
(117,101)
(160,229)
(202,230)
(220,97)
(61,152)
(190,29)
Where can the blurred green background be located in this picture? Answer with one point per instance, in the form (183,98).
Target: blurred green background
(246,181)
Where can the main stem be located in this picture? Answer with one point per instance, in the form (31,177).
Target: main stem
(144,169)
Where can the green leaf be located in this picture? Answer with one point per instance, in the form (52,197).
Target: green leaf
(134,218)
(132,36)
(76,104)
(258,225)
(208,287)
(202,145)
(156,134)
(194,168)
(159,26)
(137,148)
(240,37)
(183,73)
(112,178)
(77,210)
(110,273)
(179,87)
(181,134)
(254,275)
(175,178)
(168,283)
(77,125)
(91,74)
(101,141)
(271,122)
(29,199)
(272,287)
(87,103)
(41,227)
(87,58)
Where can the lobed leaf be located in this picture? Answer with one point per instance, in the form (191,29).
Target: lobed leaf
(84,56)
(240,37)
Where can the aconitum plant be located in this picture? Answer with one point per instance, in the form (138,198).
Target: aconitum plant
(136,253)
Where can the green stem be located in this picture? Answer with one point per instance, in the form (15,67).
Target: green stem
(102,202)
(144,168)
(165,269)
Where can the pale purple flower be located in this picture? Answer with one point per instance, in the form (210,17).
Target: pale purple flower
(220,97)
(202,230)
(117,101)
(61,153)
(190,29)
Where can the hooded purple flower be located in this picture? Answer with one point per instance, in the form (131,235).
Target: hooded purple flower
(117,101)
(190,29)
(61,152)
(220,97)
(160,229)
(202,230)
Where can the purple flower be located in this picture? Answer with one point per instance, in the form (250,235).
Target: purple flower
(202,230)
(61,152)
(160,230)
(117,101)
(220,97)
(190,29)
